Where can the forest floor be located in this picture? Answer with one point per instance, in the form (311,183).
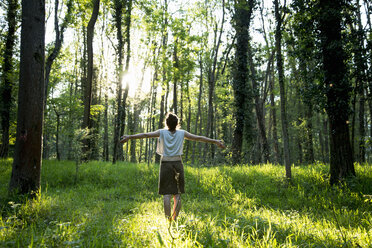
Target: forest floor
(243,206)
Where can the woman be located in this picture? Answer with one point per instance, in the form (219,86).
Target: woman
(171,175)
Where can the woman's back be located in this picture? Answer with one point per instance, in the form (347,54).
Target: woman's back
(170,143)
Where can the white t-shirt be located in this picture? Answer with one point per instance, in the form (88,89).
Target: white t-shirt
(170,144)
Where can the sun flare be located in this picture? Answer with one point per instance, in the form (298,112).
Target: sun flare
(135,78)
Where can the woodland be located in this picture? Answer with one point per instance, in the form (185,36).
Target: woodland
(287,85)
(280,82)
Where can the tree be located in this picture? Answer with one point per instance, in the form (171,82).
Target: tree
(88,86)
(242,18)
(25,176)
(54,52)
(7,76)
(337,89)
(279,17)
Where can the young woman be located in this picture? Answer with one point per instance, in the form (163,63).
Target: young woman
(171,175)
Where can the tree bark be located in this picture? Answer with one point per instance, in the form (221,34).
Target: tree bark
(128,20)
(87,123)
(283,101)
(57,136)
(337,90)
(118,12)
(58,41)
(242,17)
(164,82)
(6,88)
(360,61)
(26,169)
(309,155)
(274,122)
(258,108)
(176,65)
(198,114)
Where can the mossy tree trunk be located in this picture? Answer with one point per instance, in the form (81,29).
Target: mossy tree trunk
(337,89)
(25,176)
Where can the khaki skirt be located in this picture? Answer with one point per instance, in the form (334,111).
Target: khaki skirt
(171,178)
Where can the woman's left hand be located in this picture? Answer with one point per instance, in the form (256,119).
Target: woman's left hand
(124,138)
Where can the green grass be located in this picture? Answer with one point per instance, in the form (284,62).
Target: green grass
(243,206)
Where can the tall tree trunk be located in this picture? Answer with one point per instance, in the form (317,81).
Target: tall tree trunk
(368,15)
(118,13)
(326,139)
(58,40)
(105,135)
(118,6)
(360,61)
(128,20)
(279,65)
(300,136)
(321,138)
(25,176)
(176,65)
(273,116)
(164,82)
(199,109)
(188,120)
(7,73)
(242,17)
(337,89)
(309,155)
(258,108)
(95,121)
(213,74)
(57,136)
(87,123)
(136,113)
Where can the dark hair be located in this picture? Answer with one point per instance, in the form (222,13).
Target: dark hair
(172,121)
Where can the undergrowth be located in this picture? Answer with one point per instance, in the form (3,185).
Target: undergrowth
(242,206)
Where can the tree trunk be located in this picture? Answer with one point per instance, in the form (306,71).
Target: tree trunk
(197,117)
(273,117)
(87,123)
(188,121)
(309,155)
(326,139)
(105,135)
(95,121)
(128,19)
(118,13)
(360,61)
(242,17)
(369,52)
(337,89)
(57,136)
(58,41)
(25,176)
(279,65)
(176,65)
(164,82)
(258,108)
(136,113)
(6,88)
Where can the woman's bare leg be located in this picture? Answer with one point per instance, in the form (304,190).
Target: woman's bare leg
(176,206)
(167,206)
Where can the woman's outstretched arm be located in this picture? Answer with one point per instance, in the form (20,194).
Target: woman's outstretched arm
(204,139)
(125,138)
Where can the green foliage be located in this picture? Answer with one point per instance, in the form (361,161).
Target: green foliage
(243,206)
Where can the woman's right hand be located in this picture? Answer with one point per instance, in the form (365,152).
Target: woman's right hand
(220,144)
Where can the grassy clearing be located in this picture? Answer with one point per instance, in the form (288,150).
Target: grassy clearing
(243,206)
